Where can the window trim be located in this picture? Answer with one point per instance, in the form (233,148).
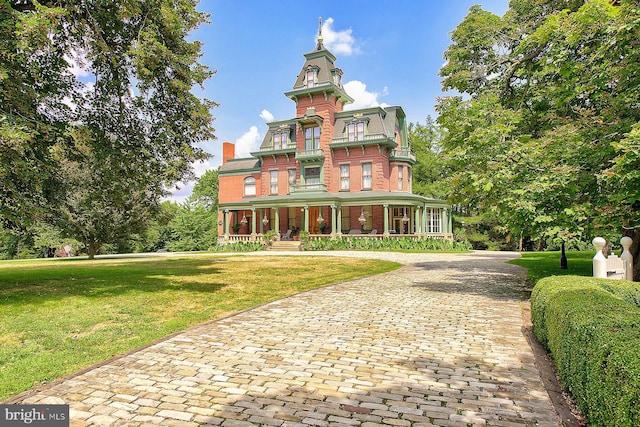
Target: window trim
(273,184)
(400,177)
(345,179)
(313,72)
(355,131)
(291,183)
(370,176)
(246,185)
(313,138)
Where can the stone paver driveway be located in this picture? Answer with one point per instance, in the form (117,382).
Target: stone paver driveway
(438,342)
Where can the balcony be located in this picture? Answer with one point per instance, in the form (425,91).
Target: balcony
(310,155)
(308,188)
(271,151)
(381,140)
(403,155)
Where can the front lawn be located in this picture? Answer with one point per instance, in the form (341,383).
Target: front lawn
(57,317)
(544,264)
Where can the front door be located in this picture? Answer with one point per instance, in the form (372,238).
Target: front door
(314,212)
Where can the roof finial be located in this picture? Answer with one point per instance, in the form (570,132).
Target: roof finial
(320,46)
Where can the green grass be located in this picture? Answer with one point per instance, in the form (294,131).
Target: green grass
(57,317)
(544,264)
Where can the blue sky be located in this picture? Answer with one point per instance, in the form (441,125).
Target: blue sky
(390,53)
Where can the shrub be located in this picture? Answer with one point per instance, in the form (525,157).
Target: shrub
(238,247)
(390,244)
(592,329)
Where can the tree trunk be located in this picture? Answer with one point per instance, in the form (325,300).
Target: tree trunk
(635,252)
(521,241)
(92,249)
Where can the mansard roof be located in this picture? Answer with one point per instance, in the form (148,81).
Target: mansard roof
(380,121)
(322,61)
(288,126)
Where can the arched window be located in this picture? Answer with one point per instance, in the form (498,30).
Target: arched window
(249,186)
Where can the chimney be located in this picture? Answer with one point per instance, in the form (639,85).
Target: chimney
(228,151)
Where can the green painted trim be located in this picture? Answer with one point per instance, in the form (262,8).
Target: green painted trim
(322,89)
(361,198)
(238,172)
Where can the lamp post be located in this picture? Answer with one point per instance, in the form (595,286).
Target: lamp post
(563,259)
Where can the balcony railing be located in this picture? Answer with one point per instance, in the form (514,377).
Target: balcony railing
(287,147)
(403,155)
(309,155)
(301,188)
(374,138)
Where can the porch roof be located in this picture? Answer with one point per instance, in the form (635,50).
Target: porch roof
(359,198)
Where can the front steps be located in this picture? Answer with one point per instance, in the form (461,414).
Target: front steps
(284,245)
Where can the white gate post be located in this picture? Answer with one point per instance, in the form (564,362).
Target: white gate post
(599,261)
(626,257)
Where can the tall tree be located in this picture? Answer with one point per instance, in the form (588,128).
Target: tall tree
(548,132)
(33,82)
(129,133)
(205,190)
(429,171)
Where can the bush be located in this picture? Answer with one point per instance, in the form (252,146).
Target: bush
(592,329)
(238,247)
(389,244)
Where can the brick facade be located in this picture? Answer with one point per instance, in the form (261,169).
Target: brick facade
(346,180)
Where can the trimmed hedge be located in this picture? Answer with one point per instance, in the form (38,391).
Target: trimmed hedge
(592,329)
(390,244)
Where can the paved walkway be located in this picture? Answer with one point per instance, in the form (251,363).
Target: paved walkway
(437,342)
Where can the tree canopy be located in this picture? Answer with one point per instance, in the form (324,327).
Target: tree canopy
(545,133)
(96,153)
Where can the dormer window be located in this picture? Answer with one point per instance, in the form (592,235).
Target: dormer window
(337,77)
(280,140)
(311,77)
(355,131)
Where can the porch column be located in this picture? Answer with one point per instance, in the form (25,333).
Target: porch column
(225,225)
(333,220)
(386,219)
(339,221)
(425,226)
(417,221)
(261,224)
(445,221)
(253,223)
(306,218)
(277,220)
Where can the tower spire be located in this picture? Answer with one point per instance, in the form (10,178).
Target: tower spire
(319,46)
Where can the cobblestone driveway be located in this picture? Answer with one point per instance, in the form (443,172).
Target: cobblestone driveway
(437,342)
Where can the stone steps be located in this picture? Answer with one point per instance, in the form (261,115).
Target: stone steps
(282,246)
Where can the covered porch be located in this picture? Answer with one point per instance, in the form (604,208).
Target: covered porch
(357,215)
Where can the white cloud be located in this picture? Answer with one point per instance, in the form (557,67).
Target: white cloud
(338,42)
(77,61)
(385,91)
(361,97)
(182,190)
(248,142)
(266,115)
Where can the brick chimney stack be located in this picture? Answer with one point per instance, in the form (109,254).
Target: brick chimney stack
(228,151)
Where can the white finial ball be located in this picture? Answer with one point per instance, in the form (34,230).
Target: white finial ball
(599,243)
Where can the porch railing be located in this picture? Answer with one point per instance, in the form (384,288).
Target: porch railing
(259,238)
